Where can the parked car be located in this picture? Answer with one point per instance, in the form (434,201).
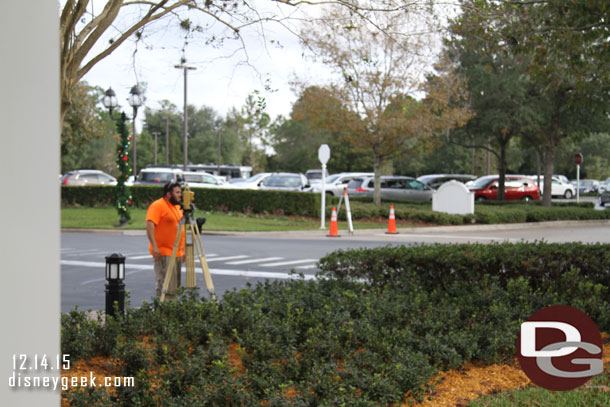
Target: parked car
(254,182)
(604,197)
(561,178)
(604,185)
(336,183)
(285,181)
(436,180)
(159,175)
(393,187)
(515,188)
(586,186)
(204,180)
(314,176)
(558,187)
(87,177)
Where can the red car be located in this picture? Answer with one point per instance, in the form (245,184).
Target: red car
(515,188)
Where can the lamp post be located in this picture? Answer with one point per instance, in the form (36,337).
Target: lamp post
(124,198)
(185,68)
(115,288)
(135,101)
(110,101)
(155,133)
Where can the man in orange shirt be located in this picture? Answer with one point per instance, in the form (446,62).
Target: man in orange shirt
(162,223)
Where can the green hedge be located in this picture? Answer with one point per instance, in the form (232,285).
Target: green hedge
(336,341)
(540,263)
(209,199)
(484,214)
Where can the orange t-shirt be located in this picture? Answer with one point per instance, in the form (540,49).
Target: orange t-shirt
(166,218)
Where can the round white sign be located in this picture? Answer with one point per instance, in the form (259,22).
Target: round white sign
(324,153)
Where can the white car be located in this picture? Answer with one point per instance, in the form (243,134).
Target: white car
(158,176)
(204,180)
(558,187)
(337,182)
(254,182)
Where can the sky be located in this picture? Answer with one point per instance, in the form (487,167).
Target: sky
(221,81)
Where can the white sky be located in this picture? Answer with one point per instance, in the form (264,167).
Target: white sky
(218,81)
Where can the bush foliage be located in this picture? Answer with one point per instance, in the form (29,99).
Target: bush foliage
(308,204)
(209,199)
(376,325)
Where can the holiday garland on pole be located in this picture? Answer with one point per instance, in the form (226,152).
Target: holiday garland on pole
(124,198)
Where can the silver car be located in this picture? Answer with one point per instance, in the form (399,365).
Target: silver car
(398,188)
(87,177)
(337,182)
(285,181)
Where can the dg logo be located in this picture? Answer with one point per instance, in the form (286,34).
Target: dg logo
(560,348)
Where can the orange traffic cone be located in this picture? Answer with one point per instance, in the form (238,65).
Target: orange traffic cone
(392,223)
(334,227)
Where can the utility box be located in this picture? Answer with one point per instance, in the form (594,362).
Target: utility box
(454,198)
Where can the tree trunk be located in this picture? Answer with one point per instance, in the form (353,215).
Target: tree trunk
(502,172)
(538,167)
(377,170)
(549,158)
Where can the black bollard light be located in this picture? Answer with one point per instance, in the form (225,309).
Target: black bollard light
(115,288)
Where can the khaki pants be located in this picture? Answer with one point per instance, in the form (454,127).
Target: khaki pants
(160,270)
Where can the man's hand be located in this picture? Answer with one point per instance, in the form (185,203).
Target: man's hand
(150,232)
(156,253)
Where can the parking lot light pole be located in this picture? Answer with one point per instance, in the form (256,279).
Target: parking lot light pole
(186,143)
(135,101)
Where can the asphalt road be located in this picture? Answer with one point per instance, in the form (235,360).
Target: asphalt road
(239,259)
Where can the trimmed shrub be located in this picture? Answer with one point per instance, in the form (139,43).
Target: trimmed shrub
(209,199)
(414,311)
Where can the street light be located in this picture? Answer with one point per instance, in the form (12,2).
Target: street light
(110,100)
(186,141)
(115,288)
(135,101)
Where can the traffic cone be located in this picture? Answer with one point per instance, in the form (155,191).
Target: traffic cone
(392,223)
(334,227)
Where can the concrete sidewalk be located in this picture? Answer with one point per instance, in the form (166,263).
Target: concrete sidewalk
(369,233)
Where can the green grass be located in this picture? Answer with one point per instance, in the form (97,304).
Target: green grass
(595,392)
(107,218)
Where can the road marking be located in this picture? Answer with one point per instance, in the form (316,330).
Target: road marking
(242,256)
(217,272)
(312,266)
(87,252)
(255,260)
(148,256)
(285,263)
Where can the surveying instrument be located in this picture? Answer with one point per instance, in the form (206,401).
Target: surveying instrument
(188,224)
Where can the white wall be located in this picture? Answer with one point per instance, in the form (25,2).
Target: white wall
(29,208)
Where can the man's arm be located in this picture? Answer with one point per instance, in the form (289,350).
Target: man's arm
(150,232)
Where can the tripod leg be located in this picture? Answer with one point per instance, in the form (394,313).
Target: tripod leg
(204,264)
(172,263)
(189,257)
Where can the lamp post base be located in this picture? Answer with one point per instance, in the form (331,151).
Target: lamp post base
(115,293)
(122,221)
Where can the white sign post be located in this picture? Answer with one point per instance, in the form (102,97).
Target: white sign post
(323,156)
